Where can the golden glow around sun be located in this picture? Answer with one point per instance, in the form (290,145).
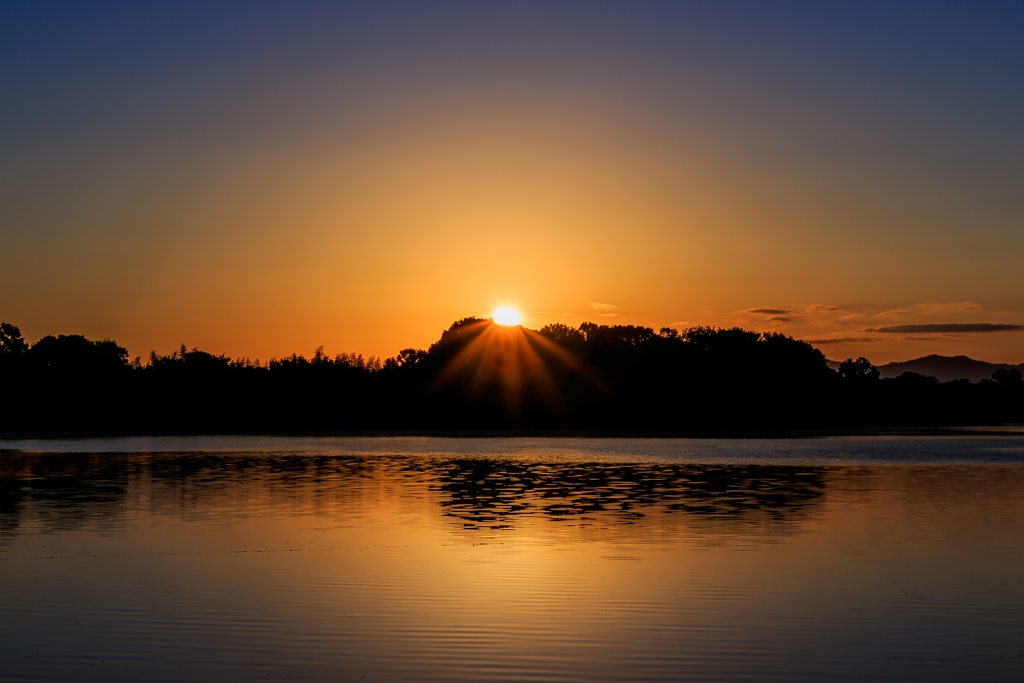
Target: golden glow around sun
(506,316)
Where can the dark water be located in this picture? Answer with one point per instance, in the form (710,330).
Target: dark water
(221,559)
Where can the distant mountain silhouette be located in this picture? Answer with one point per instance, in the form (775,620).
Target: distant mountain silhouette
(946,368)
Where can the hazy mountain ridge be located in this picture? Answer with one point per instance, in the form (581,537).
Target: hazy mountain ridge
(944,368)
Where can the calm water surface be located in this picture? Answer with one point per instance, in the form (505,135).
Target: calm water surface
(408,559)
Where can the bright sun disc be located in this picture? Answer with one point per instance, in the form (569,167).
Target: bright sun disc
(507,316)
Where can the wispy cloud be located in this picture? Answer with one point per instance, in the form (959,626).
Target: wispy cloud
(681,323)
(839,340)
(945,328)
(609,315)
(602,307)
(777,319)
(930,309)
(568,314)
(819,308)
(768,311)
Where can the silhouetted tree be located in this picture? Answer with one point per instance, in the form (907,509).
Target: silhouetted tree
(563,334)
(858,370)
(73,352)
(11,343)
(406,358)
(1008,376)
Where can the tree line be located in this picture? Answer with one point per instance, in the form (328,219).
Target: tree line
(483,376)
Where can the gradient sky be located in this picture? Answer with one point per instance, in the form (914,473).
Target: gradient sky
(262,178)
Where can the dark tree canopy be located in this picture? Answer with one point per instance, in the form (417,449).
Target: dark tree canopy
(482,376)
(858,370)
(1008,376)
(11,342)
(74,352)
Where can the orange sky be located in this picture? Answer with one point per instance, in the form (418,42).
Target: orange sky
(275,201)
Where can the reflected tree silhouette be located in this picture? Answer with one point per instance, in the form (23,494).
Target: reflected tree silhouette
(67,491)
(493,493)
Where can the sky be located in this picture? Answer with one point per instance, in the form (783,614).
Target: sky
(258,179)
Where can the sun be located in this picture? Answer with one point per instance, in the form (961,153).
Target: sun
(507,316)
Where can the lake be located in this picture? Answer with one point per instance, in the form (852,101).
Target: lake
(512,559)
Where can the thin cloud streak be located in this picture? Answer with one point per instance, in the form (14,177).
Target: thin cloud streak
(839,340)
(944,328)
(931,309)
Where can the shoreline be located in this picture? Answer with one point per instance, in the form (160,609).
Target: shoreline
(738,434)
